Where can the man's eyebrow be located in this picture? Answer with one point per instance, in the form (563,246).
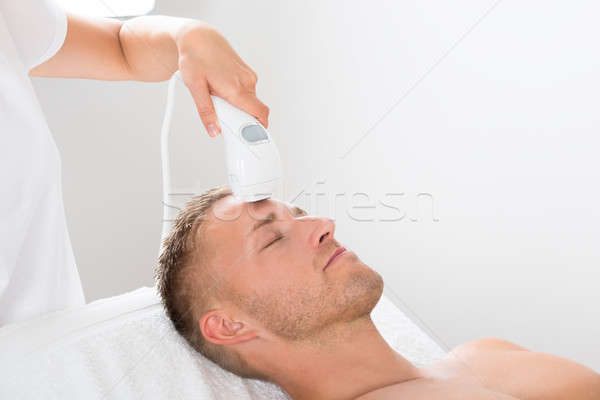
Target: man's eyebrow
(298,212)
(267,220)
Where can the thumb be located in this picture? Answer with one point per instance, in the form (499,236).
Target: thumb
(205,108)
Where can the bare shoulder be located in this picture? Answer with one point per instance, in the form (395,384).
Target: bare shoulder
(496,369)
(505,367)
(433,389)
(486,344)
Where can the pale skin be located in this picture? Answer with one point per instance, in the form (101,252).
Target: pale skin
(151,49)
(309,329)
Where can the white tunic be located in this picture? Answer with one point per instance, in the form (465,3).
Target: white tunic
(37,268)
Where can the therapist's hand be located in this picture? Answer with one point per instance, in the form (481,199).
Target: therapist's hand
(151,48)
(208,65)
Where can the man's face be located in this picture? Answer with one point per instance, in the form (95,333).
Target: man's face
(272,258)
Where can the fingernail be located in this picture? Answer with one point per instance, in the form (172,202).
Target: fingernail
(213,130)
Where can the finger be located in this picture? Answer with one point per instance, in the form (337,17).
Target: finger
(248,102)
(206,109)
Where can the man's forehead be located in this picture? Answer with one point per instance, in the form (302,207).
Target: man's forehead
(233,211)
(231,221)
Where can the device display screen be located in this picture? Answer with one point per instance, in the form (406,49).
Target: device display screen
(254,134)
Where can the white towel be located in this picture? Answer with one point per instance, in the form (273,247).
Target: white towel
(124,347)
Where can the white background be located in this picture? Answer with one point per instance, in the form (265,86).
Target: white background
(491,111)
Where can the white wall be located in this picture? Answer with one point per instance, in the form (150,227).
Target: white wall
(495,119)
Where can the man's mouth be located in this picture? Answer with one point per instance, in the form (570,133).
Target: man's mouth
(335,254)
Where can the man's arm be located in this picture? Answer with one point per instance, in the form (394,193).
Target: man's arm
(525,374)
(152,48)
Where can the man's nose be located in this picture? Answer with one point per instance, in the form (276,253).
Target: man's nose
(323,231)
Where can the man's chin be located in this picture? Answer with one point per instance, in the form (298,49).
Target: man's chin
(362,290)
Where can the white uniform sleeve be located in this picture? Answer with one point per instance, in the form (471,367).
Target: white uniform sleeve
(39,31)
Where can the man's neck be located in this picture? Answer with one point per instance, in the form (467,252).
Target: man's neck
(342,363)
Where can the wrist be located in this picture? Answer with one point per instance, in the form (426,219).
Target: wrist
(190,33)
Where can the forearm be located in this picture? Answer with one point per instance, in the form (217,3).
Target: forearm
(152,48)
(143,48)
(151,45)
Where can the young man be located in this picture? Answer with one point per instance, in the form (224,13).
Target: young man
(267,292)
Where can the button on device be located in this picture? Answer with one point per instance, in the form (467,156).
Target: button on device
(254,133)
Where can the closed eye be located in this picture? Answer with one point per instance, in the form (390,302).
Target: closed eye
(273,241)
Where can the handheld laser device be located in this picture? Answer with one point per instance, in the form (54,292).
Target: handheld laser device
(252,158)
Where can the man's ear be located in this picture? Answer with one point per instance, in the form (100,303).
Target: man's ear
(218,328)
